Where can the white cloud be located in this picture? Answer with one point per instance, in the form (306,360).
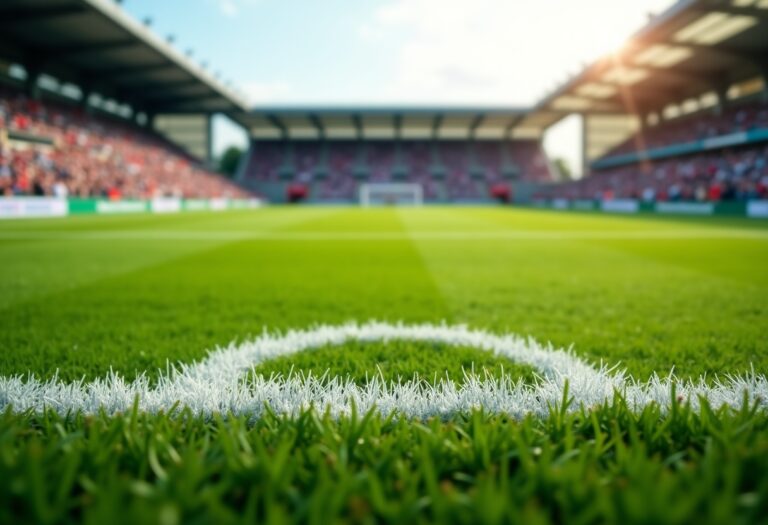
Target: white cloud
(228,7)
(231,8)
(266,92)
(370,32)
(499,51)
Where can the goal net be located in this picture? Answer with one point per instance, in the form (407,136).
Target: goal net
(391,194)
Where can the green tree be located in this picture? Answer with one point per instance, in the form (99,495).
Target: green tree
(230,160)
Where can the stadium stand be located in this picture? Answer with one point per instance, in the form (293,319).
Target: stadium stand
(725,175)
(689,158)
(94,105)
(679,113)
(447,170)
(718,173)
(707,124)
(52,149)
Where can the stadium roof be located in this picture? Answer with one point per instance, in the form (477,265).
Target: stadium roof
(696,48)
(390,123)
(95,44)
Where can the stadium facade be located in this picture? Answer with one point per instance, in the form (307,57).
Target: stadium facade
(687,89)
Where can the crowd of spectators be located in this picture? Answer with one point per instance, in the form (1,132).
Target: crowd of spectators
(57,149)
(737,174)
(446,170)
(710,123)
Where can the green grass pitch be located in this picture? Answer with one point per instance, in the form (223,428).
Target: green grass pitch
(85,295)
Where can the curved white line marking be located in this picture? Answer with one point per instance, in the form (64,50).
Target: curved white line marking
(220,382)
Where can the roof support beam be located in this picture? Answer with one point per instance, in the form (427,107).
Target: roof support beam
(475,124)
(279,124)
(152,95)
(77,50)
(511,126)
(20,15)
(721,51)
(178,100)
(689,77)
(397,122)
(318,124)
(158,84)
(11,52)
(437,122)
(358,122)
(754,12)
(129,72)
(191,109)
(638,101)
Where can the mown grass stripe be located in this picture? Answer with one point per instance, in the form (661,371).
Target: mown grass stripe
(512,235)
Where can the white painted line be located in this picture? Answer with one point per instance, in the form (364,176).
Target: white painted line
(221,382)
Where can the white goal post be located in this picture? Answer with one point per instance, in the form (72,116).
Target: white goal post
(391,193)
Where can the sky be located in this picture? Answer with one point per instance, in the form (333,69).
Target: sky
(398,52)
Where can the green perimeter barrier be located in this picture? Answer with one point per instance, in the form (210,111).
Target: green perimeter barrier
(163,205)
(195,205)
(89,206)
(754,209)
(28,207)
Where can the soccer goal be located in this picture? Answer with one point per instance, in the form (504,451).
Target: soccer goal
(391,194)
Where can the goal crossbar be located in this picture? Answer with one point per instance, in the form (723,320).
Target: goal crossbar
(386,193)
